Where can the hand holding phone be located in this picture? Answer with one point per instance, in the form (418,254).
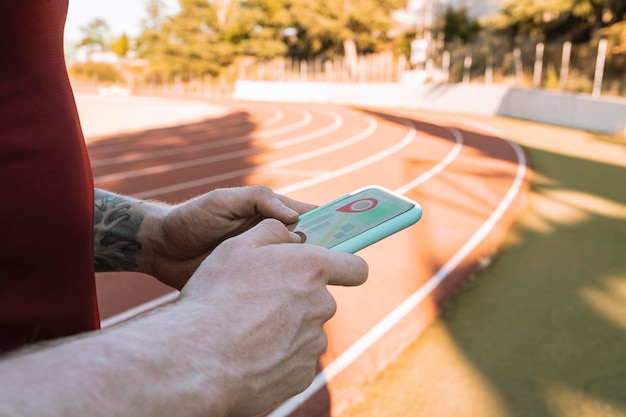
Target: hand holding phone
(357,220)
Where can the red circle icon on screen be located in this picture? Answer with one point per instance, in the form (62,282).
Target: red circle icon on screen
(359,206)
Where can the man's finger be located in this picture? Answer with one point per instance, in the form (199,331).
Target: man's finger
(346,269)
(298,206)
(280,207)
(269,232)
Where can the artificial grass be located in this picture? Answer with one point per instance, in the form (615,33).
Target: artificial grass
(542,331)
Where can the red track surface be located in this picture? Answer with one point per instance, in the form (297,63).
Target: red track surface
(467,181)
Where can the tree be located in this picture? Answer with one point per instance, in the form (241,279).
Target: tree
(152,43)
(195,44)
(576,20)
(99,72)
(336,26)
(155,18)
(457,24)
(369,21)
(186,45)
(96,32)
(256,27)
(616,35)
(308,28)
(121,45)
(206,34)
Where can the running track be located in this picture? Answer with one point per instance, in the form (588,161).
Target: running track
(469,180)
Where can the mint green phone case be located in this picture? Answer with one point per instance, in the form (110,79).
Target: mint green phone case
(350,223)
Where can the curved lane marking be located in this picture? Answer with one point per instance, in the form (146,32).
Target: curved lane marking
(157,169)
(401,311)
(171,151)
(278,116)
(169,297)
(307,118)
(373,124)
(406,140)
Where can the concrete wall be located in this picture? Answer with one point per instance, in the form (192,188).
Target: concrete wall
(579,111)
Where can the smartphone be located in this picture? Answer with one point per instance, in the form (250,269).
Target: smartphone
(357,220)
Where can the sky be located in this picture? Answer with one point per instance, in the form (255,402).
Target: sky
(122,16)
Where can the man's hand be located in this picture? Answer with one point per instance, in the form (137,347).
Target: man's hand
(190,231)
(271,297)
(245,335)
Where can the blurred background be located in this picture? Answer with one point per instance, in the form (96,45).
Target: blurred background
(203,47)
(540,331)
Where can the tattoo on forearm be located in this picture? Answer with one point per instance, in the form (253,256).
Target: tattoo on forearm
(115,233)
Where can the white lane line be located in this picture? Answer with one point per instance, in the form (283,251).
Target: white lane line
(373,124)
(155,169)
(327,176)
(140,309)
(380,329)
(451,156)
(127,146)
(401,311)
(405,141)
(296,172)
(307,118)
(278,116)
(178,150)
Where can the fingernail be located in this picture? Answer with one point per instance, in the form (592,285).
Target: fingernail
(290,212)
(302,236)
(295,237)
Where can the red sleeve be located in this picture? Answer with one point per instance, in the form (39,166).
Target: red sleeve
(47,287)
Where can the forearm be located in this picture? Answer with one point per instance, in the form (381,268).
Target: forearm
(123,232)
(170,242)
(159,365)
(245,334)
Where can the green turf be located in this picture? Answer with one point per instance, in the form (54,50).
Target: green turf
(542,331)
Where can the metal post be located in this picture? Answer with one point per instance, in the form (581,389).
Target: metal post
(303,69)
(489,69)
(517,54)
(567,53)
(467,65)
(599,75)
(446,66)
(538,65)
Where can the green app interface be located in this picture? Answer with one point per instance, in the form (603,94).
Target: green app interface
(337,222)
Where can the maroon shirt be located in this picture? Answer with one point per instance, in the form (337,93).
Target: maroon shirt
(47,286)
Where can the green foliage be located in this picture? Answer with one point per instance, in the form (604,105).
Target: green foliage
(186,45)
(155,10)
(206,35)
(96,32)
(321,27)
(370,21)
(552,78)
(324,26)
(616,36)
(255,28)
(553,20)
(152,43)
(121,45)
(456,24)
(95,72)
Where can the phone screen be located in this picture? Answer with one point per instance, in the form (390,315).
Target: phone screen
(348,217)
